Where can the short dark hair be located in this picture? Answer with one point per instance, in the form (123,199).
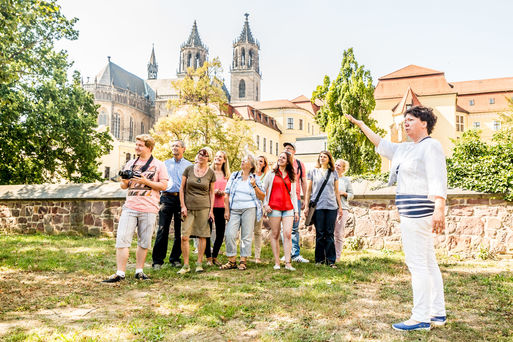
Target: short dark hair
(423,114)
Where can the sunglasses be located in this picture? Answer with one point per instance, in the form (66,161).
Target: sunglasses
(203,153)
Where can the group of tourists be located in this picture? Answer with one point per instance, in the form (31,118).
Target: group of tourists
(204,194)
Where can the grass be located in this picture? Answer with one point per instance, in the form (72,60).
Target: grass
(50,291)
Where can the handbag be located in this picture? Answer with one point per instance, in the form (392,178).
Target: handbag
(313,204)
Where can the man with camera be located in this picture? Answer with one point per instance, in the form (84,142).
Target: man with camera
(170,208)
(144,178)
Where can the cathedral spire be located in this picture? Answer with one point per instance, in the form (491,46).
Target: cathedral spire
(153,67)
(193,53)
(194,39)
(246,36)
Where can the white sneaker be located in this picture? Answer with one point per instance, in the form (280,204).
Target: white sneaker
(299,258)
(289,268)
(276,267)
(282,259)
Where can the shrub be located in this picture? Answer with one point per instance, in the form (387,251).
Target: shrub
(354,243)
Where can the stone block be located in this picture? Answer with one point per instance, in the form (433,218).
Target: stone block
(57,219)
(376,243)
(482,201)
(485,211)
(89,219)
(364,227)
(48,228)
(471,226)
(94,231)
(461,210)
(359,212)
(492,223)
(97,207)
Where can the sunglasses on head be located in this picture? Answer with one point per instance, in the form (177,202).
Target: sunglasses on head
(203,153)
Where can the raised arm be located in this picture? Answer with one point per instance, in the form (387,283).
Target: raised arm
(373,137)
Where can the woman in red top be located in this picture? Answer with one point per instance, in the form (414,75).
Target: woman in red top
(280,205)
(221,169)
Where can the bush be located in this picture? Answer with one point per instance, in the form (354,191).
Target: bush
(354,243)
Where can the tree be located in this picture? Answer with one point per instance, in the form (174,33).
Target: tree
(48,131)
(351,93)
(202,118)
(507,116)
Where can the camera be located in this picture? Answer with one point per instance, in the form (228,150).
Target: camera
(129,174)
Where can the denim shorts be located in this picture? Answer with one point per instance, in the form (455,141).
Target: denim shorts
(281,213)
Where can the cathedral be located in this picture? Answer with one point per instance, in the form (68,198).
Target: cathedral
(130,105)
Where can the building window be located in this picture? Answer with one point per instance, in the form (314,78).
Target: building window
(270,146)
(477,124)
(102,118)
(258,142)
(290,123)
(142,127)
(242,89)
(127,157)
(265,143)
(131,130)
(116,121)
(459,123)
(471,102)
(106,173)
(492,100)
(300,124)
(496,125)
(308,127)
(276,152)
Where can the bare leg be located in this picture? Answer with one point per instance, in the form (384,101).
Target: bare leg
(275,223)
(287,237)
(185,250)
(122,258)
(140,257)
(202,243)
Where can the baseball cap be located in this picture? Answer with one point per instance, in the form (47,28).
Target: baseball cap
(291,144)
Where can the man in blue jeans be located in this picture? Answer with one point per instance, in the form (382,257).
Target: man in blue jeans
(299,168)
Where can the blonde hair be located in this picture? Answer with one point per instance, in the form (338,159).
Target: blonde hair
(147,139)
(226,165)
(209,151)
(346,165)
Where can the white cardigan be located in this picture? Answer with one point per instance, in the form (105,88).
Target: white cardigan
(268,186)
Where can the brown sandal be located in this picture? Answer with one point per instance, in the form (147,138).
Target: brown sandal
(216,262)
(242,266)
(230,265)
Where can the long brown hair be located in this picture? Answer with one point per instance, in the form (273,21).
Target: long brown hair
(331,161)
(265,168)
(289,167)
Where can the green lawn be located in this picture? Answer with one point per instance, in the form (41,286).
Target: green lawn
(50,290)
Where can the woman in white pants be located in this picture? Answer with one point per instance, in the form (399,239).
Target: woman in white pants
(420,171)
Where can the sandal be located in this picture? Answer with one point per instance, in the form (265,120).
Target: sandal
(242,266)
(216,262)
(230,265)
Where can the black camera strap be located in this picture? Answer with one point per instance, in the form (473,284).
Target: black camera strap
(146,166)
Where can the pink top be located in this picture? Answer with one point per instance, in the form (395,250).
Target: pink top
(220,184)
(302,175)
(141,197)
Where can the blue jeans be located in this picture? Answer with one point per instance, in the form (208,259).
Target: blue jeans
(295,234)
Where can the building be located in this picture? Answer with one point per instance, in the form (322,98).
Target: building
(459,106)
(130,105)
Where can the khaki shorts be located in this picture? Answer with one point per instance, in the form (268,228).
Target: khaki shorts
(131,220)
(196,223)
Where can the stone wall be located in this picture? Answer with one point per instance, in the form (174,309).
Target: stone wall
(473,220)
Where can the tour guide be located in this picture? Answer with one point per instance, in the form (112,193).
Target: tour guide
(420,171)
(146,177)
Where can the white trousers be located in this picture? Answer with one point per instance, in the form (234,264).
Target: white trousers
(426,279)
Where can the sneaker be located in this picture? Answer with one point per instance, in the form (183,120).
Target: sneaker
(141,276)
(282,259)
(289,268)
(276,267)
(299,258)
(156,267)
(113,279)
(199,269)
(184,269)
(176,264)
(419,326)
(438,320)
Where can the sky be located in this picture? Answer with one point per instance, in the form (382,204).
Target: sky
(301,41)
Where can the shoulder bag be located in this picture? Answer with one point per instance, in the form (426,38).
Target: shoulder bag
(313,204)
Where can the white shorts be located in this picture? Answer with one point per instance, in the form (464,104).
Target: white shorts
(129,220)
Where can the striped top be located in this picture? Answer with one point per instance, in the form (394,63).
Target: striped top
(414,205)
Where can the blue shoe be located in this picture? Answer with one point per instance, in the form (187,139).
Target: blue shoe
(438,320)
(419,326)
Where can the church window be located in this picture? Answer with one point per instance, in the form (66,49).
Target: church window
(270,146)
(492,100)
(256,97)
(250,58)
(115,125)
(242,89)
(102,118)
(459,123)
(131,130)
(258,142)
(265,144)
(300,124)
(290,123)
(471,102)
(197,61)
(243,57)
(189,60)
(142,127)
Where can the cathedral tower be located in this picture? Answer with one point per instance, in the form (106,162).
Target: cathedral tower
(192,53)
(153,67)
(245,69)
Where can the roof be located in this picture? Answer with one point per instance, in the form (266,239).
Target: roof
(409,98)
(194,39)
(153,60)
(274,104)
(249,112)
(300,98)
(246,36)
(484,86)
(114,75)
(163,87)
(411,71)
